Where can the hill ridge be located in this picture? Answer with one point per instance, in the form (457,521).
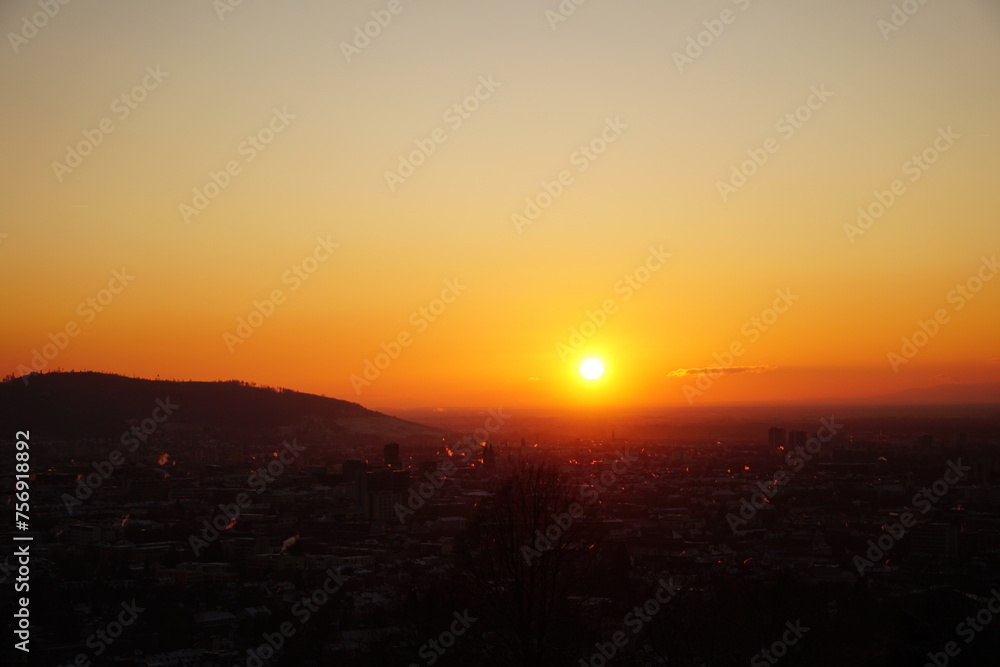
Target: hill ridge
(85,404)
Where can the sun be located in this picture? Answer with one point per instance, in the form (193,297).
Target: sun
(592,369)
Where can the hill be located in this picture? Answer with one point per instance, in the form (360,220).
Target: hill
(97,405)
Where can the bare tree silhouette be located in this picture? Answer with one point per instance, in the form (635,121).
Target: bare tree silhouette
(526,556)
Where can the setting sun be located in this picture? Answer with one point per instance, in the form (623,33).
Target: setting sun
(592,369)
(668,307)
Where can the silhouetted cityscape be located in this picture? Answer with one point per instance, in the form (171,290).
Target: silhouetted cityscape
(805,542)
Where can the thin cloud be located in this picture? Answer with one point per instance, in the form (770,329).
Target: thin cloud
(719,370)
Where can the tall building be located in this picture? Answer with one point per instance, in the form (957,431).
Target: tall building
(489,457)
(354,471)
(776,437)
(390,456)
(384,489)
(796,439)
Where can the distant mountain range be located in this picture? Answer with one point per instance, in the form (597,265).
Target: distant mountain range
(99,405)
(942,394)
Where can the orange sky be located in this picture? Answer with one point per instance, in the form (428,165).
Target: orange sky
(229,157)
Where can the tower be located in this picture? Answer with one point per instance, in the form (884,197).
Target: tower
(796,439)
(390,456)
(776,437)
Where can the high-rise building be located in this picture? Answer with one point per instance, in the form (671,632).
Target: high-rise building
(796,439)
(489,457)
(353,470)
(390,456)
(384,489)
(776,437)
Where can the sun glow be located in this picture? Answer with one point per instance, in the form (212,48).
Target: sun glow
(592,369)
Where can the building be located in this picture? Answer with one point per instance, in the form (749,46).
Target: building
(383,490)
(390,456)
(796,439)
(489,457)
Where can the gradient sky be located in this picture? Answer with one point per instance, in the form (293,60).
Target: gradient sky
(323,176)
